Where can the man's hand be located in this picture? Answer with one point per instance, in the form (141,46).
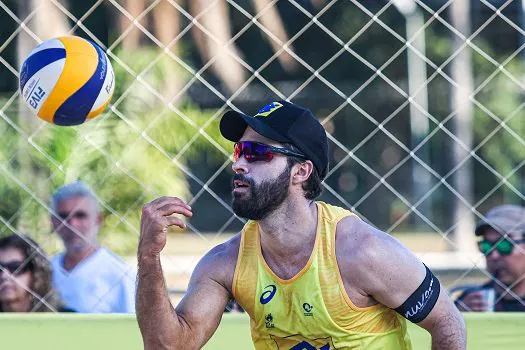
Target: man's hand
(155,220)
(473,301)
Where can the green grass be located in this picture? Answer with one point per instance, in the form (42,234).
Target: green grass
(88,332)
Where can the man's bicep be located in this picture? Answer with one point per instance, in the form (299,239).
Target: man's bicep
(398,273)
(409,287)
(406,284)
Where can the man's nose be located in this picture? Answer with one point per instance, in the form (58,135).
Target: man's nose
(73,221)
(240,166)
(493,255)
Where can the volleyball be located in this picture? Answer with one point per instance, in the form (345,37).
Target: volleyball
(67,80)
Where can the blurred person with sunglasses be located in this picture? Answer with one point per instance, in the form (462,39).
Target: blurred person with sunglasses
(25,277)
(502,233)
(310,275)
(89,278)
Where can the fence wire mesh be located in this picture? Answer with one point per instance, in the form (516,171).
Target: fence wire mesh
(422,103)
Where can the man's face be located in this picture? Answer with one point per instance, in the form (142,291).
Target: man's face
(259,187)
(78,224)
(507,268)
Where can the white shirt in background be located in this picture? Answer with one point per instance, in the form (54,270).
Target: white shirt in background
(101,283)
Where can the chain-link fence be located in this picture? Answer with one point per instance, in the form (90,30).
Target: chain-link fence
(421,100)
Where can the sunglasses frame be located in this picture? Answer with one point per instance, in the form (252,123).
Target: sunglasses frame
(80,214)
(271,149)
(496,245)
(21,267)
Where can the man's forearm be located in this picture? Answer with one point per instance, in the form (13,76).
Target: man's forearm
(158,322)
(451,334)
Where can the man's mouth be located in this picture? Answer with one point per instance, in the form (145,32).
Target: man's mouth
(240,184)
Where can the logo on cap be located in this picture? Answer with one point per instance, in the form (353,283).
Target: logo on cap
(269,109)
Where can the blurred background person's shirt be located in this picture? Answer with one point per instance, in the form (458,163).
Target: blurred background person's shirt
(101,283)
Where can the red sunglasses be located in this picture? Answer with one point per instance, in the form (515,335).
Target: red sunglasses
(256,151)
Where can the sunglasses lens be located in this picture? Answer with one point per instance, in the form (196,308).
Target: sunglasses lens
(76,215)
(484,247)
(80,215)
(237,150)
(260,152)
(13,267)
(505,247)
(252,151)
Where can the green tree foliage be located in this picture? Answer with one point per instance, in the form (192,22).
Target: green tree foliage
(135,151)
(140,146)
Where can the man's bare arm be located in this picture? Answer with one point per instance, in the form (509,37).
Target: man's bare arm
(155,315)
(198,315)
(446,325)
(390,273)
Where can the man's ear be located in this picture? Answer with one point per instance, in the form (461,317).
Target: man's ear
(302,171)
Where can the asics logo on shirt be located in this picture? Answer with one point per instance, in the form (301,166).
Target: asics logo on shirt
(268,294)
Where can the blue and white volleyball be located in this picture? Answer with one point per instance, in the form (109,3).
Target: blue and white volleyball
(67,80)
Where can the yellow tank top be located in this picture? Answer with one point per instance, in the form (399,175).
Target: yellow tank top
(311,310)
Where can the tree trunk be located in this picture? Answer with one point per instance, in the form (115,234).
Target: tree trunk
(461,72)
(135,8)
(167,27)
(215,19)
(271,20)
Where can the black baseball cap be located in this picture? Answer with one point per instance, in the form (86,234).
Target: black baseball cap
(505,219)
(283,122)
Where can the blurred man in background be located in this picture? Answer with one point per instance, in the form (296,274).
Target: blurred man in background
(503,244)
(88,277)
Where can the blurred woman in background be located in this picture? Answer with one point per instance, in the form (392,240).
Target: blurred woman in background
(25,277)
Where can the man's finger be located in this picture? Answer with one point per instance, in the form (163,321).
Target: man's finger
(162,201)
(174,208)
(478,306)
(474,297)
(175,221)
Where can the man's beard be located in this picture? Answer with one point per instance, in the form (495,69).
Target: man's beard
(261,199)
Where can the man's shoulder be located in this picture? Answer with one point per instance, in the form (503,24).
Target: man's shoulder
(219,263)
(225,252)
(56,260)
(361,242)
(332,212)
(105,254)
(374,262)
(355,234)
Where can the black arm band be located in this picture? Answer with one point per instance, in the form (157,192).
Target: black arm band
(422,301)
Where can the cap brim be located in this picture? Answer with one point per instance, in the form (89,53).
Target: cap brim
(501,225)
(233,125)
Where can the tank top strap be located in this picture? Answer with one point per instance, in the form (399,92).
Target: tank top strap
(328,218)
(246,270)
